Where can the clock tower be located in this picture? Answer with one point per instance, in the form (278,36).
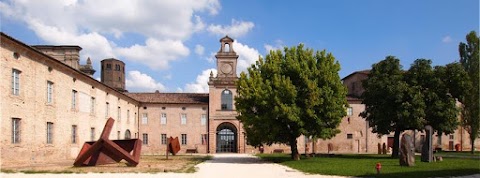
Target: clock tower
(225,132)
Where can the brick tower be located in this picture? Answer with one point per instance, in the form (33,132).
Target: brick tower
(113,74)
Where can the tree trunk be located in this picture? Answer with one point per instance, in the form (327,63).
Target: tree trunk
(472,141)
(314,144)
(396,143)
(293,146)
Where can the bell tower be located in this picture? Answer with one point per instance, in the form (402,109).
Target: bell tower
(225,131)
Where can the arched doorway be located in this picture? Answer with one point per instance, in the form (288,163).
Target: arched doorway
(226,138)
(127,134)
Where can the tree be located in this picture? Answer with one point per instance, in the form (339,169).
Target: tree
(391,105)
(469,58)
(291,94)
(440,106)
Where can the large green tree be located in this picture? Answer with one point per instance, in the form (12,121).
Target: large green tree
(440,105)
(469,58)
(297,92)
(391,104)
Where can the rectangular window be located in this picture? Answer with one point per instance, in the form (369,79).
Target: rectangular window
(144,118)
(74,99)
(164,139)
(203,119)
(183,119)
(184,139)
(49,92)
(74,133)
(163,118)
(92,105)
(92,134)
(15,82)
(349,111)
(107,106)
(119,114)
(451,136)
(204,139)
(128,116)
(145,139)
(118,135)
(15,130)
(349,136)
(49,132)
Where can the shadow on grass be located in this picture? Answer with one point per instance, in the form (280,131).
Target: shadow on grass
(436,173)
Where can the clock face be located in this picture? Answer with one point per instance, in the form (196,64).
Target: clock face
(226,68)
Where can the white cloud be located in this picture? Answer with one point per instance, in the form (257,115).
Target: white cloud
(89,23)
(236,29)
(247,56)
(447,39)
(201,84)
(277,46)
(140,82)
(199,49)
(155,54)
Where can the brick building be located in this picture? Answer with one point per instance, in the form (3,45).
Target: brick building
(50,105)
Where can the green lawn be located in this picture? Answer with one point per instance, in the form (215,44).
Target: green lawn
(364,165)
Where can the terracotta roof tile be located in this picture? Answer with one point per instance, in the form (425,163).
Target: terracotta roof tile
(171,98)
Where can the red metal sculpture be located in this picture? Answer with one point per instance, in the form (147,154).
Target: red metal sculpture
(173,145)
(105,151)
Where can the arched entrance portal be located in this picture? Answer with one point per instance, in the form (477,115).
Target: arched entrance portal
(226,138)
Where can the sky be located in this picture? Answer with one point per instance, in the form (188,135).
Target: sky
(169,45)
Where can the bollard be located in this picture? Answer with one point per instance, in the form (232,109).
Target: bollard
(378,167)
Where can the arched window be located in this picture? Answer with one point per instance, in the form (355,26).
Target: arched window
(227,48)
(227,100)
(127,134)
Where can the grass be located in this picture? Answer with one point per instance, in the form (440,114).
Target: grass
(364,166)
(476,154)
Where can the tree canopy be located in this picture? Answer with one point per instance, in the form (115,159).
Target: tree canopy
(291,93)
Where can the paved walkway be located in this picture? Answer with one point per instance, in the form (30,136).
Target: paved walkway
(221,166)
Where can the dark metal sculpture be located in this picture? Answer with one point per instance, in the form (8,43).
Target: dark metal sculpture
(105,151)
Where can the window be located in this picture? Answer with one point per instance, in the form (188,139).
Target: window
(49,132)
(145,139)
(349,111)
(15,82)
(451,136)
(92,134)
(144,118)
(203,119)
(349,136)
(49,91)
(107,106)
(118,135)
(164,139)
(184,139)
(226,100)
(163,118)
(128,116)
(74,133)
(119,114)
(204,139)
(15,130)
(117,67)
(92,105)
(183,119)
(109,66)
(74,99)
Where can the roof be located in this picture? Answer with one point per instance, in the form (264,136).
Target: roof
(363,72)
(171,98)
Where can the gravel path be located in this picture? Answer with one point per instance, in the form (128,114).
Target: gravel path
(221,166)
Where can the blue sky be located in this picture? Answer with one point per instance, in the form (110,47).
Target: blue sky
(169,45)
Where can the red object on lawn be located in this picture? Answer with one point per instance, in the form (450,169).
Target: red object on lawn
(105,151)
